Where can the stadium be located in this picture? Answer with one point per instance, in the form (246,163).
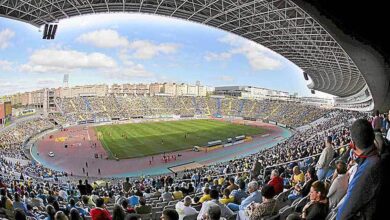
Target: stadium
(109,148)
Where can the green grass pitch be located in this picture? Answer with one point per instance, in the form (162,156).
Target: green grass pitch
(143,139)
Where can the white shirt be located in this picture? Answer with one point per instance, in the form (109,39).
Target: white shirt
(225,211)
(183,210)
(388,135)
(63,194)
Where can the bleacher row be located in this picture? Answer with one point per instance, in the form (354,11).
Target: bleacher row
(90,108)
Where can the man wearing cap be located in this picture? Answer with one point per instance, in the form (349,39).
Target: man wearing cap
(325,159)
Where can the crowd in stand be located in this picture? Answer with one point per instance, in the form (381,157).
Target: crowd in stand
(311,188)
(293,114)
(12,138)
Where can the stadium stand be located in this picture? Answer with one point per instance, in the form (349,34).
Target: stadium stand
(293,114)
(38,192)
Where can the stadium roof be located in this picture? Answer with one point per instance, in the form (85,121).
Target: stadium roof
(280,25)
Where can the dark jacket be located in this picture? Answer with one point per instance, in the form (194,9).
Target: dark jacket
(317,211)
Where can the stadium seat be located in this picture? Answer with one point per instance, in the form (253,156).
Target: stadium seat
(282,198)
(285,211)
(169,207)
(173,202)
(302,202)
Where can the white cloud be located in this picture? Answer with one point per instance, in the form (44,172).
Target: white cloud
(226,78)
(218,56)
(105,38)
(11,87)
(60,61)
(139,49)
(146,50)
(259,57)
(6,66)
(48,81)
(129,72)
(5,37)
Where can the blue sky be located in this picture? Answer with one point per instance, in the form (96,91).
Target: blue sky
(132,48)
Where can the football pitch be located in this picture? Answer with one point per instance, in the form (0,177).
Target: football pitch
(143,139)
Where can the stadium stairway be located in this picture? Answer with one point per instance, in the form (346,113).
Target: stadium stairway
(89,107)
(241,107)
(73,105)
(219,104)
(252,108)
(58,106)
(197,109)
(87,104)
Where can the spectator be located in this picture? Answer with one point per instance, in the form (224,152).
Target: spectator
(276,182)
(177,194)
(50,212)
(82,188)
(19,214)
(126,208)
(88,187)
(206,196)
(339,185)
(35,201)
(376,121)
(232,186)
(167,196)
(225,211)
(317,207)
(74,214)
(142,208)
(325,159)
(297,177)
(60,215)
(169,214)
(72,205)
(240,193)
(268,207)
(364,187)
(17,204)
(184,208)
(254,196)
(133,199)
(302,191)
(126,185)
(100,212)
(213,213)
(227,197)
(118,213)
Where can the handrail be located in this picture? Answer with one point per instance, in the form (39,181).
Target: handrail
(213,177)
(300,159)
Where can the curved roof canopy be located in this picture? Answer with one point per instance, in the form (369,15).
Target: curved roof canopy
(280,25)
